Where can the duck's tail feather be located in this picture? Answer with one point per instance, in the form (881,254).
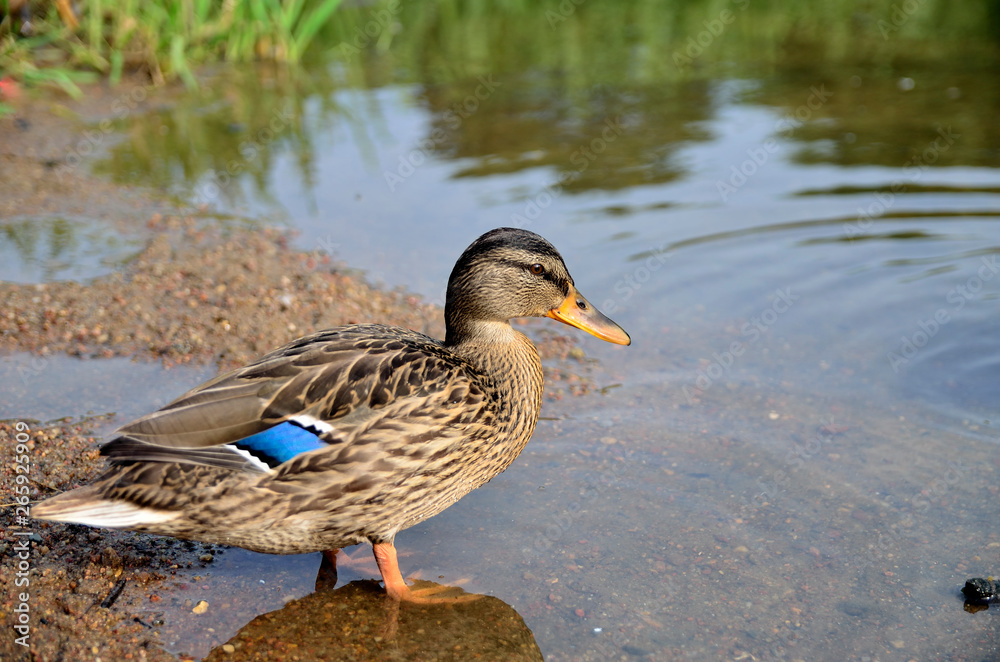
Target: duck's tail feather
(85,506)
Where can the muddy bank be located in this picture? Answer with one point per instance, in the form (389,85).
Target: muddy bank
(71,570)
(199,294)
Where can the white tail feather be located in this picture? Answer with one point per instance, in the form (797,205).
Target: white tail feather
(108,514)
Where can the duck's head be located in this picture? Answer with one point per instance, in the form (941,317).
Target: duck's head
(509,273)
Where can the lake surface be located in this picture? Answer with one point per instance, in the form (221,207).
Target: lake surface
(798,458)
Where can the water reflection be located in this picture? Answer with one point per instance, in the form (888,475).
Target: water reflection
(605,137)
(226,140)
(47,249)
(358,622)
(226,148)
(242,605)
(929,116)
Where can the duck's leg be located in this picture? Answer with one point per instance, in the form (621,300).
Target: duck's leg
(395,585)
(388,565)
(331,556)
(326,578)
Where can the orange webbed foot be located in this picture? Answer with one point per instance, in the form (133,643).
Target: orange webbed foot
(424,593)
(429,593)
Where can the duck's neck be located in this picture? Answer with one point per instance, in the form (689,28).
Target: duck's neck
(505,355)
(492,346)
(478,333)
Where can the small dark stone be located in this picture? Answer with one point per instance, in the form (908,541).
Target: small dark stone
(856,609)
(635,651)
(978,588)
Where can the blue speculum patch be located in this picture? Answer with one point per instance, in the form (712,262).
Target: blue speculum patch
(280,443)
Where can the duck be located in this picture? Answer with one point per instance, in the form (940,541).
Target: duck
(351,434)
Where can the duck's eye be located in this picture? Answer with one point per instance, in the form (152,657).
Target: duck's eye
(537,269)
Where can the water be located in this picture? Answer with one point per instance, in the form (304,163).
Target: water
(800,459)
(80,387)
(46,249)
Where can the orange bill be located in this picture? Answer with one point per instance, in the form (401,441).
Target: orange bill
(576,311)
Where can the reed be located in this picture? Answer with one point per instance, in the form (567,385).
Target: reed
(450,39)
(166,38)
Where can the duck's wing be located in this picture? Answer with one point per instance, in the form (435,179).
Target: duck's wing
(325,389)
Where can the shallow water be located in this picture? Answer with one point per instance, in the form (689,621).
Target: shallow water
(44,388)
(46,249)
(799,459)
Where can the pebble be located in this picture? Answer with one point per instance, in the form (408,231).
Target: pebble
(110,557)
(201,607)
(228,648)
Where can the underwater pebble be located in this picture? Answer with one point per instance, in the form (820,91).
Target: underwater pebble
(201,607)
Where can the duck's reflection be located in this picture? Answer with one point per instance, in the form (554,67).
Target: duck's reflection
(358,622)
